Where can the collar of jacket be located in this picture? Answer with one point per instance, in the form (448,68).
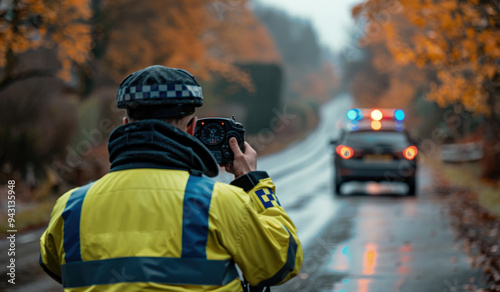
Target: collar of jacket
(155,144)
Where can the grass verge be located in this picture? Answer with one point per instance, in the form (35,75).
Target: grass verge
(467,175)
(28,219)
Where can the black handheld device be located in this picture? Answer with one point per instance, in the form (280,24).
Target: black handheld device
(215,133)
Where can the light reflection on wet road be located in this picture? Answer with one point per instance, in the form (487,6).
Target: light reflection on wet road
(384,243)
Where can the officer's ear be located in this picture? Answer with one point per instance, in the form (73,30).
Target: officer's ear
(125,120)
(191,126)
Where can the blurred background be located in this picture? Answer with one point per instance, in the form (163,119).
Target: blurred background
(262,61)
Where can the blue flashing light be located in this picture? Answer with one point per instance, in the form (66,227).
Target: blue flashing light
(354,115)
(399,115)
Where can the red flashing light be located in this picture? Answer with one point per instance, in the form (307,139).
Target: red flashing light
(345,152)
(410,152)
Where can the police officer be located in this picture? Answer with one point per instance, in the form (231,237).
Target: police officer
(154,222)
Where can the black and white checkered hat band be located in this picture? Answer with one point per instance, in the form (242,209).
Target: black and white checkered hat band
(159,91)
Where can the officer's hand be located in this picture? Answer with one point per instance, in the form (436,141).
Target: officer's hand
(243,162)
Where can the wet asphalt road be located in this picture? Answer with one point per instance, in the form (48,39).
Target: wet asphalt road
(374,239)
(379,243)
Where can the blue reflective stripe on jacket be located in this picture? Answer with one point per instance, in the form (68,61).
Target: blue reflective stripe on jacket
(148,269)
(72,218)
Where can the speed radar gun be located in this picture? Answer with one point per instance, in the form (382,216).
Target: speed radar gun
(215,133)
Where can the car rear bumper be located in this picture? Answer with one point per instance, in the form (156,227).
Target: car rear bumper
(400,170)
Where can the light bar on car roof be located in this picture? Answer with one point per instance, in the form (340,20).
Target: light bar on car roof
(374,114)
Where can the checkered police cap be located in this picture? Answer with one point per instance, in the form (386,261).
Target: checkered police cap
(159,92)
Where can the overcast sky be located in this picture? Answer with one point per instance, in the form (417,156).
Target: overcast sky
(331,18)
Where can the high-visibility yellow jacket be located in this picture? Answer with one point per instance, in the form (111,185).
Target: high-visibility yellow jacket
(153,229)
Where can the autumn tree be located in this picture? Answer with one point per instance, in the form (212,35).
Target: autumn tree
(114,38)
(28,25)
(191,34)
(374,77)
(39,40)
(458,39)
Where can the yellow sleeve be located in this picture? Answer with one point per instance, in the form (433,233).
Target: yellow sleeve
(51,241)
(267,248)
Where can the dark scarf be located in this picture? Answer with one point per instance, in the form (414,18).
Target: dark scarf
(155,144)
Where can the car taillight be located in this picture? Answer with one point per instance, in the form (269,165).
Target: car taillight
(345,152)
(410,152)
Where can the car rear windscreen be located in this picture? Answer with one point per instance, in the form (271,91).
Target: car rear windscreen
(368,139)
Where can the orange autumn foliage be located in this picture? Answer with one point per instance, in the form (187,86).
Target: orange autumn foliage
(241,37)
(30,24)
(385,82)
(460,40)
(186,34)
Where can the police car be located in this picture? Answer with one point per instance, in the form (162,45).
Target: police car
(375,147)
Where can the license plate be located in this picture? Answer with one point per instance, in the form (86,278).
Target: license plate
(377,158)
